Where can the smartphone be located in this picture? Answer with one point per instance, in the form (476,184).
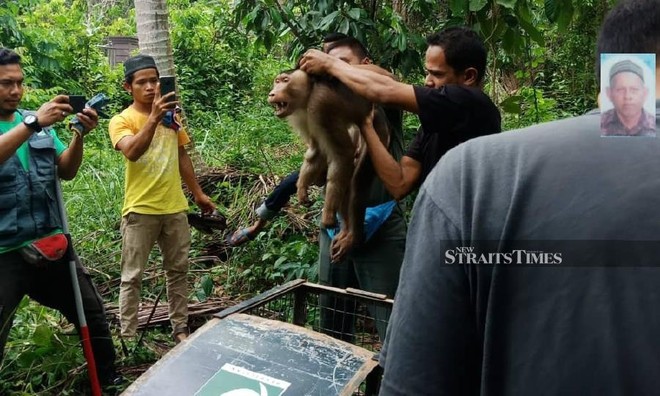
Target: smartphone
(166,86)
(77,102)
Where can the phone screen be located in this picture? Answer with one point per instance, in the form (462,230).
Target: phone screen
(77,102)
(167,86)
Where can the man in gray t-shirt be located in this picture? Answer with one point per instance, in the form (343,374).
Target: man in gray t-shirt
(532,263)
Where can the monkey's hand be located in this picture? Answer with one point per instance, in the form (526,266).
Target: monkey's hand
(368,123)
(317,62)
(303,196)
(341,245)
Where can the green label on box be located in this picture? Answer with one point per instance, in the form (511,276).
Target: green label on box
(232,380)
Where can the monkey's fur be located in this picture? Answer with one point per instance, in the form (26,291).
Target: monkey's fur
(328,115)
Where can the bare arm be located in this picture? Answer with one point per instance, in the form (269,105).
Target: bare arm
(133,147)
(399,178)
(69,161)
(366,82)
(188,175)
(49,113)
(375,69)
(12,140)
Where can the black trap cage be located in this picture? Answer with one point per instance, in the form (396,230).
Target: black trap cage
(299,338)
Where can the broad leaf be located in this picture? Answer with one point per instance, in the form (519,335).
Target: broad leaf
(457,7)
(551,8)
(42,336)
(327,20)
(511,104)
(507,3)
(532,31)
(565,15)
(477,5)
(343,28)
(354,13)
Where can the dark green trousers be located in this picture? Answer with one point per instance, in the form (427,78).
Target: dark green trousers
(372,267)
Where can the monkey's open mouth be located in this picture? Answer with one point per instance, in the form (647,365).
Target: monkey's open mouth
(280,108)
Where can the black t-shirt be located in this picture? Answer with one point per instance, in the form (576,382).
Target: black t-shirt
(377,193)
(449,116)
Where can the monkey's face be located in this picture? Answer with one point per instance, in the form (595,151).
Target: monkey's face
(290,92)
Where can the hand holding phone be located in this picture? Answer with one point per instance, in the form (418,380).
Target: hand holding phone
(77,102)
(167,85)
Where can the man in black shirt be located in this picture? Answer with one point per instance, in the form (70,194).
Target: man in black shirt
(452,107)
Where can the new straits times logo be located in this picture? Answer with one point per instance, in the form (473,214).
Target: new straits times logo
(467,255)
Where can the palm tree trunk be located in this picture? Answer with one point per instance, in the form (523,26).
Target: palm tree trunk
(153,32)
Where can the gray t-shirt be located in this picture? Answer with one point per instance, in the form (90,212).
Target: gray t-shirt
(579,315)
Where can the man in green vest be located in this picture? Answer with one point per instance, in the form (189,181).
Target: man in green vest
(32,247)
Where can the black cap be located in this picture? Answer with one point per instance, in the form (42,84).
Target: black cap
(626,66)
(138,62)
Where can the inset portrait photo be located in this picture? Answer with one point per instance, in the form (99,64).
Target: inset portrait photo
(627,95)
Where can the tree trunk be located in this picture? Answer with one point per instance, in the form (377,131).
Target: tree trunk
(153,32)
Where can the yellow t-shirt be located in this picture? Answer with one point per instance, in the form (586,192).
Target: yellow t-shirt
(152,183)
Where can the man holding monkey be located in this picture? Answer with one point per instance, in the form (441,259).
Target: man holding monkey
(452,107)
(374,264)
(150,136)
(30,219)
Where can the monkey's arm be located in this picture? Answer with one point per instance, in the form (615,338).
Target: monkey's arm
(399,178)
(187,173)
(372,85)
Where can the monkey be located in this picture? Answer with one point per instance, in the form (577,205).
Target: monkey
(327,116)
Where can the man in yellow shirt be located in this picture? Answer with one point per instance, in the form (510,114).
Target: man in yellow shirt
(154,211)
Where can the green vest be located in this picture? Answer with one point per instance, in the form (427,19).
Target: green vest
(28,203)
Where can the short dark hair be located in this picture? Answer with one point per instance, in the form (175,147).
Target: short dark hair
(463,49)
(632,26)
(334,36)
(354,44)
(9,57)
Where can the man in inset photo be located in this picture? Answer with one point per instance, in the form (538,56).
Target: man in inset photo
(628,91)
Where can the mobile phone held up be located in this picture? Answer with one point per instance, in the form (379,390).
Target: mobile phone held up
(166,86)
(77,102)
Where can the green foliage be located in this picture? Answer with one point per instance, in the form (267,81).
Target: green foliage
(511,29)
(392,42)
(218,49)
(39,356)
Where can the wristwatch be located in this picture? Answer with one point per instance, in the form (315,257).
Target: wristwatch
(31,122)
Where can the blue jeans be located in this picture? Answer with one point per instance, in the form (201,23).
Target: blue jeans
(279,197)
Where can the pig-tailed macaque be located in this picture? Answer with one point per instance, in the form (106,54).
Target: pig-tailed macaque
(328,115)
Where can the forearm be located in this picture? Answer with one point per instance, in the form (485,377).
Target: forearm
(376,69)
(69,161)
(187,173)
(390,171)
(363,80)
(12,140)
(138,144)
